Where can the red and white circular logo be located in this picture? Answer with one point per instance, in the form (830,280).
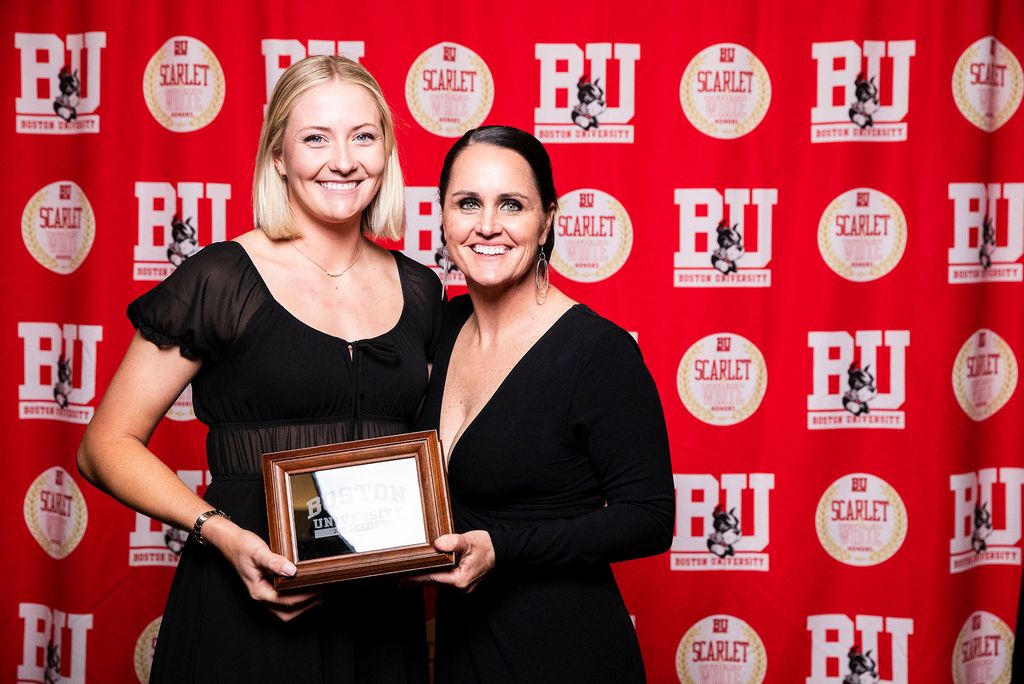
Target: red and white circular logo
(182,409)
(984,374)
(861,520)
(983,653)
(988,84)
(721,648)
(725,91)
(449,89)
(58,226)
(184,85)
(593,236)
(862,234)
(145,646)
(722,379)
(55,512)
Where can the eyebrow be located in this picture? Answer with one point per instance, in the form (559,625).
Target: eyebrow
(504,195)
(327,129)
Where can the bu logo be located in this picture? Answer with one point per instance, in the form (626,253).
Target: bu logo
(48,655)
(869,108)
(279,54)
(986,526)
(152,543)
(719,246)
(169,222)
(850,388)
(54,355)
(575,105)
(851,647)
(988,232)
(722,524)
(422,240)
(60,91)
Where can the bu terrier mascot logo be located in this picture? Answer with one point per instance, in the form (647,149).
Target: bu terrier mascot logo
(863,668)
(988,243)
(862,389)
(730,248)
(982,527)
(591,103)
(62,388)
(862,111)
(65,105)
(726,532)
(183,240)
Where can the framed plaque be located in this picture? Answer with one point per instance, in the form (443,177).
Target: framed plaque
(358,509)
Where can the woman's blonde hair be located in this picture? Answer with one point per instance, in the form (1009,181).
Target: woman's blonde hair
(384,217)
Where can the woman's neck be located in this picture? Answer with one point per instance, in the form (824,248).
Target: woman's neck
(513,308)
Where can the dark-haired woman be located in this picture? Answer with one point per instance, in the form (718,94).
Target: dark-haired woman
(558,455)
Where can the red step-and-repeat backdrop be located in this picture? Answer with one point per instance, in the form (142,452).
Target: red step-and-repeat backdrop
(810,215)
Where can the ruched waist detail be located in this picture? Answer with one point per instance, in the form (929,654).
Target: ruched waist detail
(235,450)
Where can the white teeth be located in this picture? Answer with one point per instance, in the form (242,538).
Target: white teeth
(331,185)
(490,250)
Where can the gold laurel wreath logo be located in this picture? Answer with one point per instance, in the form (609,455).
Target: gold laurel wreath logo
(30,232)
(703,413)
(425,119)
(80,517)
(880,555)
(612,265)
(143,657)
(710,128)
(960,383)
(963,100)
(840,267)
(150,91)
(760,665)
(1005,634)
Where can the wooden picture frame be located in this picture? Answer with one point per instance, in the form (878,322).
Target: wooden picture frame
(358,509)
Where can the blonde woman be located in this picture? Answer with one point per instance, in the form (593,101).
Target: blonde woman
(300,332)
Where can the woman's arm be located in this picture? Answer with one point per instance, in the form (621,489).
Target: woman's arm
(114,456)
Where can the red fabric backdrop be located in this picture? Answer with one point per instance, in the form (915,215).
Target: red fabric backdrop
(812,219)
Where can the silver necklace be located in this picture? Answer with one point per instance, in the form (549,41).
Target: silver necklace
(340,273)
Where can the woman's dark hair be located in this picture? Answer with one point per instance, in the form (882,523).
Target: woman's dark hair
(523,144)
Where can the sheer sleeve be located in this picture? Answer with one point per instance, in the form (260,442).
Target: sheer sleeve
(616,413)
(203,305)
(427,298)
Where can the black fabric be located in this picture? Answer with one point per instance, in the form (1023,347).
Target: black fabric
(567,467)
(269,382)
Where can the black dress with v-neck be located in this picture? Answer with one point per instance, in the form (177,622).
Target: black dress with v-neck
(270,382)
(567,467)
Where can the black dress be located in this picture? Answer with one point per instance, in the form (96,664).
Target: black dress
(270,382)
(576,425)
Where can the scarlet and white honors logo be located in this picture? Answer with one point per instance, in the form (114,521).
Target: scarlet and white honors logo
(725,91)
(861,520)
(986,527)
(988,234)
(55,512)
(174,224)
(281,53)
(449,89)
(846,651)
(852,85)
(55,645)
(576,102)
(593,235)
(724,249)
(988,83)
(182,410)
(70,70)
(722,379)
(984,374)
(722,523)
(862,234)
(59,371)
(854,387)
(145,646)
(983,653)
(721,648)
(58,226)
(184,85)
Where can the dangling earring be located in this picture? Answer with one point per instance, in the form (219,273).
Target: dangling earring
(445,262)
(540,277)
